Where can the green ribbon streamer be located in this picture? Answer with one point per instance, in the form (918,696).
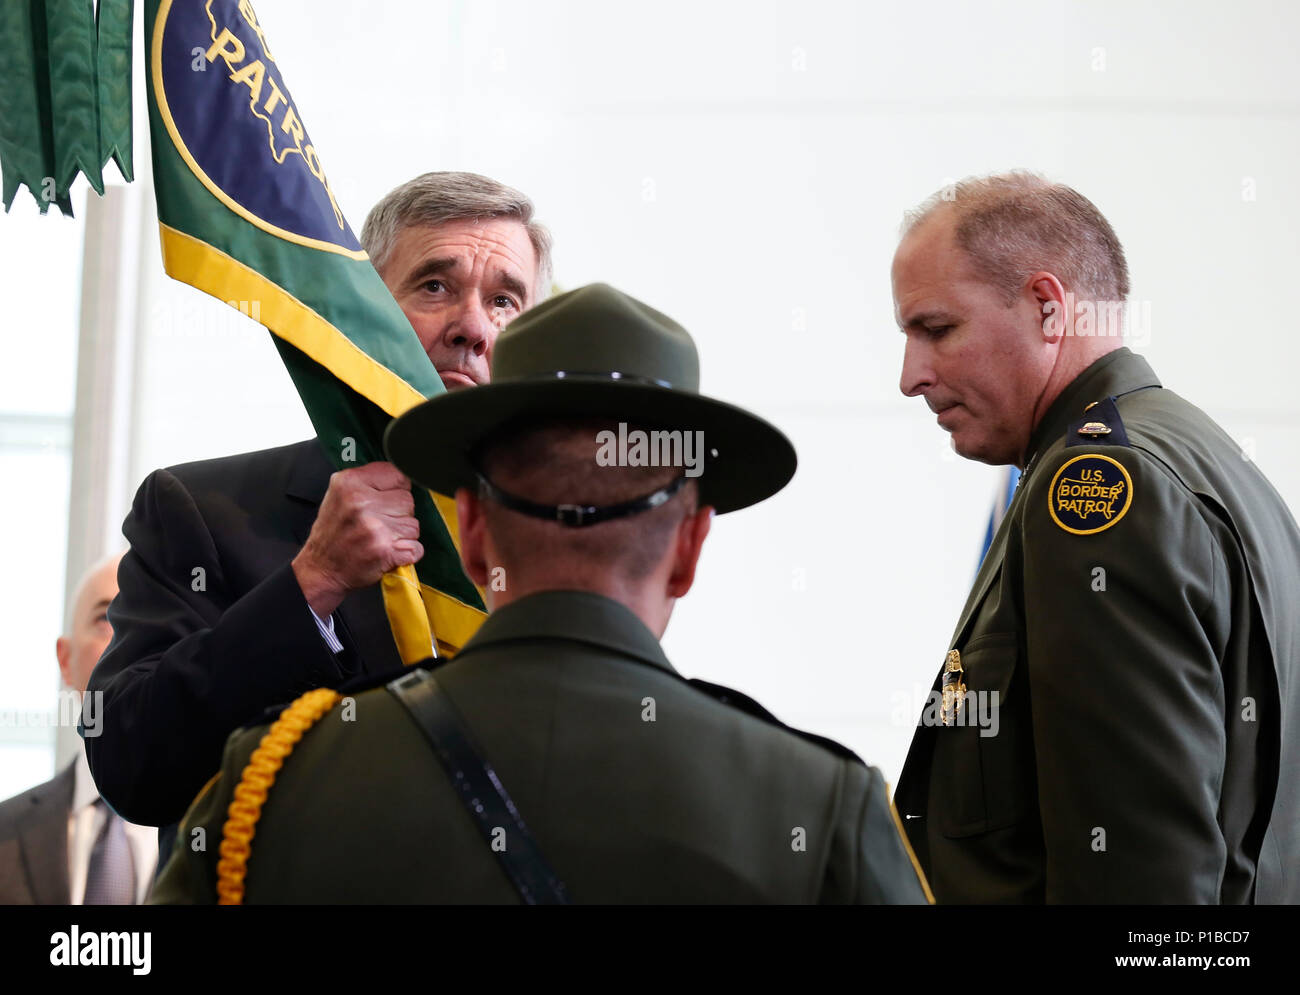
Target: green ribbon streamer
(65,96)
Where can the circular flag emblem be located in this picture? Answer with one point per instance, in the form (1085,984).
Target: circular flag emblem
(234,123)
(1089,494)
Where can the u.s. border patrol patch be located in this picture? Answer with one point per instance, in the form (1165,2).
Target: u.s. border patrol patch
(1089,494)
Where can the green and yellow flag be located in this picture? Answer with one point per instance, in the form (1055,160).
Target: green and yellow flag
(246,214)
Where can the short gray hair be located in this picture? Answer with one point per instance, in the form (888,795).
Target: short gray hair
(436,198)
(1014,224)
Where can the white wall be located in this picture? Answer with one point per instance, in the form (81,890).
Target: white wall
(744,168)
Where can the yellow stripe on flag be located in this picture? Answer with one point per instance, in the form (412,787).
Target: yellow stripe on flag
(197,263)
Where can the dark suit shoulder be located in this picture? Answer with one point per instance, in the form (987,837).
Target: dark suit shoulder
(263,466)
(275,456)
(57,790)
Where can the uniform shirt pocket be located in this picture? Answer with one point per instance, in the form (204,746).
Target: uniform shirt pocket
(982,777)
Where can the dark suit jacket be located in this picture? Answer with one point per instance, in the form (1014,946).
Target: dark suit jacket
(1145,649)
(34,843)
(706,802)
(210,626)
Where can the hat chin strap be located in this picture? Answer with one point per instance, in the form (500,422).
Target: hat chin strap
(578,516)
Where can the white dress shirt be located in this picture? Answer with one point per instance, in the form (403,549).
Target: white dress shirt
(85,819)
(327,631)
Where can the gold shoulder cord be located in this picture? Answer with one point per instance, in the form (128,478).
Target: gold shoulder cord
(256,781)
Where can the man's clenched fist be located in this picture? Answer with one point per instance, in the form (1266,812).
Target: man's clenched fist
(365,528)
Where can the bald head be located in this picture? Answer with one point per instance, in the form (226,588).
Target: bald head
(88,632)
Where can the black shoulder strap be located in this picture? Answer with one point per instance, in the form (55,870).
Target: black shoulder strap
(1100,424)
(479,789)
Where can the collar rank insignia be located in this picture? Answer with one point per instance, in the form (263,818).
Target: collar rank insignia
(1089,494)
(954,689)
(1093,429)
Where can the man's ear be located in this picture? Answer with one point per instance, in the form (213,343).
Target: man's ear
(691,533)
(472,523)
(1055,305)
(63,650)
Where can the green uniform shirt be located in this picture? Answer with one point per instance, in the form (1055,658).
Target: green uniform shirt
(637,786)
(1136,618)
